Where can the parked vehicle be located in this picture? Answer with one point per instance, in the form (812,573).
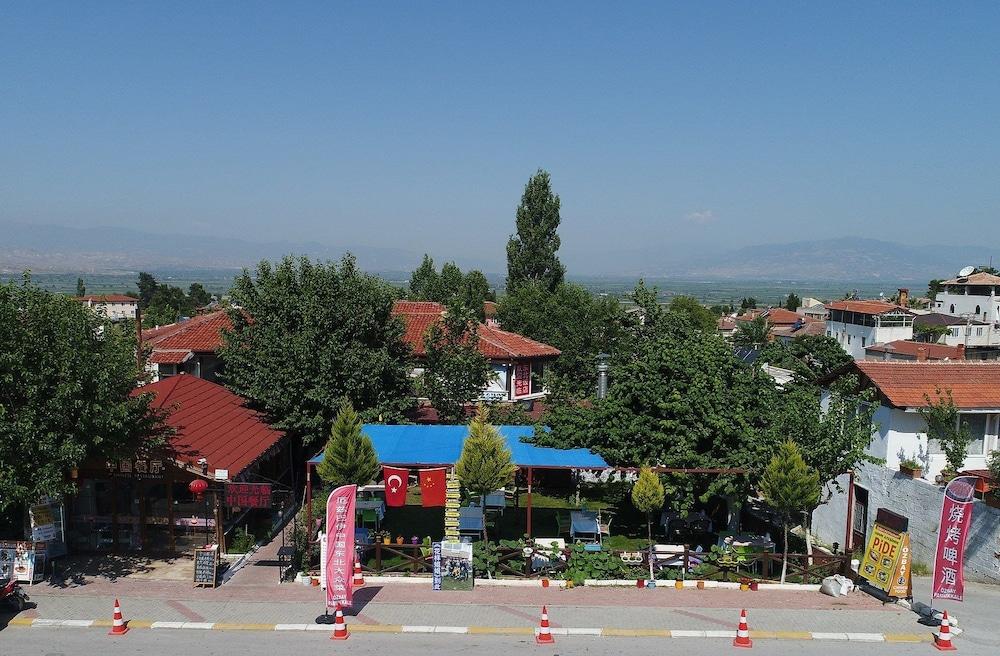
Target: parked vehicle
(13,595)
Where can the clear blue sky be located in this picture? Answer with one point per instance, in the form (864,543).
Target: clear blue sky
(416,124)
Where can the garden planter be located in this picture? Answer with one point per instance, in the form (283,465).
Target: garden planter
(912,472)
(545,583)
(569,583)
(701,585)
(399,540)
(678,584)
(386,541)
(314,582)
(640,583)
(753,586)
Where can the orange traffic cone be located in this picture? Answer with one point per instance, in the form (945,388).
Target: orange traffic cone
(544,636)
(339,628)
(118,626)
(743,632)
(942,638)
(359,577)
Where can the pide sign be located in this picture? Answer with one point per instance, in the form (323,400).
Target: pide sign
(887,560)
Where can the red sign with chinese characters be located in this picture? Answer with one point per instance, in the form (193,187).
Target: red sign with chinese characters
(340,507)
(956,515)
(248,495)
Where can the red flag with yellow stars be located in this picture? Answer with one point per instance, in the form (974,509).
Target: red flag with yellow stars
(433,486)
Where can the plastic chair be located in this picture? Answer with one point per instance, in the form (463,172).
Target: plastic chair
(369,515)
(563,523)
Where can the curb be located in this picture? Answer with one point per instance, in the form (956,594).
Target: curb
(606,632)
(663,584)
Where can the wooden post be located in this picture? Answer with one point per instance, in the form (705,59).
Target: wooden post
(530,471)
(169,477)
(849,537)
(309,505)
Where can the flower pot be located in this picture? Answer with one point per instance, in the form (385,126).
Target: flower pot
(912,472)
(314,582)
(679,584)
(651,585)
(569,583)
(399,540)
(753,586)
(744,586)
(545,583)
(414,540)
(640,583)
(386,541)
(701,585)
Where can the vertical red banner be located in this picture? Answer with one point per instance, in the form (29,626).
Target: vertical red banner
(340,509)
(956,515)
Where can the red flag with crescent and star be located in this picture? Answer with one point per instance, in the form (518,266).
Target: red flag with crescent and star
(395,486)
(433,486)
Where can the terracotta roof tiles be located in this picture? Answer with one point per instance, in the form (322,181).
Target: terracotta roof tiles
(973,384)
(866,307)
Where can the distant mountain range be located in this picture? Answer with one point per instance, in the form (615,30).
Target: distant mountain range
(59,249)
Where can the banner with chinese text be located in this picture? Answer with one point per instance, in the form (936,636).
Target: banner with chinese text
(956,515)
(340,509)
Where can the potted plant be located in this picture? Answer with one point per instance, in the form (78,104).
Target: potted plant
(400,540)
(992,497)
(382,536)
(911,467)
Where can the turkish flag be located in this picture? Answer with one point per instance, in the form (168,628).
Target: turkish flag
(432,487)
(395,486)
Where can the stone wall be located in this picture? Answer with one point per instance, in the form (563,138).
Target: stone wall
(920,501)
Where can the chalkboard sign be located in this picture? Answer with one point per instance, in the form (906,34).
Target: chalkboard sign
(206,564)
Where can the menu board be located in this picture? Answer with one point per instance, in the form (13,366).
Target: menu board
(206,565)
(22,560)
(453,499)
(880,564)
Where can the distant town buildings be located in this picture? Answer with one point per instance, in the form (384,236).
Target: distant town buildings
(116,307)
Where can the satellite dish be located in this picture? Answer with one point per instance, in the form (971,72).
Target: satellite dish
(967,271)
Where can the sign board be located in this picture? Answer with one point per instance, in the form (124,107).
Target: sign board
(453,499)
(902,585)
(136,468)
(436,558)
(340,509)
(881,560)
(206,566)
(455,566)
(956,515)
(23,560)
(248,495)
(43,522)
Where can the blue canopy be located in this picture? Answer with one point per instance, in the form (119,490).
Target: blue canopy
(427,445)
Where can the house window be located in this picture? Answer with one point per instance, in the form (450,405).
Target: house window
(979,428)
(863,340)
(848,339)
(979,332)
(978,311)
(537,370)
(952,309)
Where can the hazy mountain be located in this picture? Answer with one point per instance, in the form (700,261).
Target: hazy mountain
(49,248)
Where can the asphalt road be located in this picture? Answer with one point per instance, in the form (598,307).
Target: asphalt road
(70,642)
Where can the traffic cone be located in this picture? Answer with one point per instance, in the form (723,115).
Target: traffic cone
(743,632)
(544,636)
(942,638)
(359,577)
(118,626)
(339,628)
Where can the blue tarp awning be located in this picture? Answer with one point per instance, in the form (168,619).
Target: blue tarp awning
(442,445)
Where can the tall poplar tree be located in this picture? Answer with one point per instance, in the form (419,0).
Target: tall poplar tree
(531,253)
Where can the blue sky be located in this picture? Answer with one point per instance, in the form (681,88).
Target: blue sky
(415,125)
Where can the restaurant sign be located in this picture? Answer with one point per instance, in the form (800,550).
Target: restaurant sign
(886,564)
(248,495)
(956,515)
(136,468)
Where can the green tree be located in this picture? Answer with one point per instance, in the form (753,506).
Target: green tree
(455,371)
(147,287)
(945,425)
(572,320)
(988,269)
(425,283)
(700,316)
(929,333)
(810,356)
(68,401)
(752,333)
(933,287)
(486,463)
(309,334)
(450,286)
(81,289)
(349,456)
(198,296)
(167,305)
(531,254)
(476,291)
(793,302)
(789,486)
(748,303)
(648,496)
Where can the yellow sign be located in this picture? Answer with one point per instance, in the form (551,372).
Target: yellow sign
(901,584)
(882,555)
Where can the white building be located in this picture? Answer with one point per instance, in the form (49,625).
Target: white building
(857,324)
(967,331)
(115,307)
(974,296)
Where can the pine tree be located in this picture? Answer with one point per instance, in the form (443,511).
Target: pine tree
(648,496)
(81,289)
(486,463)
(531,254)
(789,486)
(349,456)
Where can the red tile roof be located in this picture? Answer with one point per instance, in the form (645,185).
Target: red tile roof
(903,384)
(810,327)
(981,278)
(866,307)
(170,356)
(199,334)
(494,343)
(211,422)
(107,298)
(910,348)
(783,317)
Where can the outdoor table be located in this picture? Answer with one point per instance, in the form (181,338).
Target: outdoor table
(378,505)
(285,555)
(471,520)
(584,523)
(496,501)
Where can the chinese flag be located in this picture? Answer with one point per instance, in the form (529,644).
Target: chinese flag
(432,487)
(395,486)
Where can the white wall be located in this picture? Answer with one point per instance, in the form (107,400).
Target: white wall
(989,306)
(919,501)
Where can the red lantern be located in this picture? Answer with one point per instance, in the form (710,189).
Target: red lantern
(198,487)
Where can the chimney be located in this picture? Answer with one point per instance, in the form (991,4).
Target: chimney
(921,354)
(904,296)
(961,352)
